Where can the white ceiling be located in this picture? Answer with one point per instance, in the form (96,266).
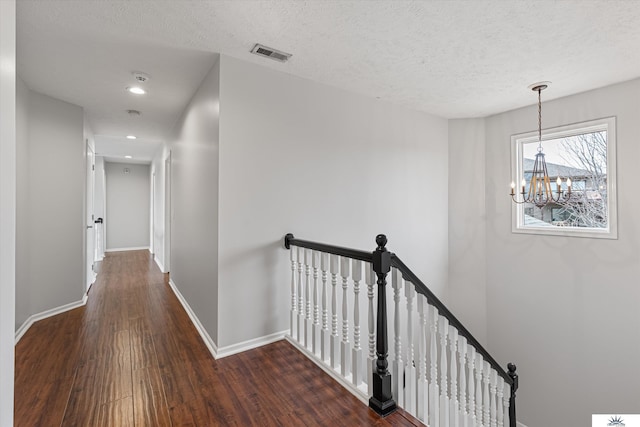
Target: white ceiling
(448,58)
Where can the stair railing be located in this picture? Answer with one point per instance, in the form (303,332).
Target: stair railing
(439,372)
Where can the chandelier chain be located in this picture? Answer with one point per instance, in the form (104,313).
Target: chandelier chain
(539,120)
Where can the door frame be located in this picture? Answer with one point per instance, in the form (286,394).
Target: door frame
(90,226)
(168,213)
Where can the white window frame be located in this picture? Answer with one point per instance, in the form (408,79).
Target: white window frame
(607,124)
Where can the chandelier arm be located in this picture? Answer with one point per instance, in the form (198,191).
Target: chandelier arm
(515,200)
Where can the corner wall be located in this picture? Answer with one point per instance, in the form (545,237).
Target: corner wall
(327,165)
(194,202)
(565,309)
(467,225)
(23,290)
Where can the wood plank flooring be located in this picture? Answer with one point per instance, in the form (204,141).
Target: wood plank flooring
(132,357)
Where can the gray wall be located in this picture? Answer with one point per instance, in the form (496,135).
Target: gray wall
(127,210)
(564,309)
(194,199)
(327,165)
(50,211)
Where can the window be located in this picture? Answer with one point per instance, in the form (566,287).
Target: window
(583,152)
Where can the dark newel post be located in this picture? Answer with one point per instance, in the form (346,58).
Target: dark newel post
(382,401)
(512,401)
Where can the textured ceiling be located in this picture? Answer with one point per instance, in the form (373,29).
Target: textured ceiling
(448,58)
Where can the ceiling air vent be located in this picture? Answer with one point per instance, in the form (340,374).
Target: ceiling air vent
(275,54)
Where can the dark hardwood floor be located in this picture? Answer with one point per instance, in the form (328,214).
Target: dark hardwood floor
(131,357)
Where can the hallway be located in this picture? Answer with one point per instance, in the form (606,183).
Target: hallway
(131,357)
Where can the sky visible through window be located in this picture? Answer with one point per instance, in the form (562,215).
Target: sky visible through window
(555,152)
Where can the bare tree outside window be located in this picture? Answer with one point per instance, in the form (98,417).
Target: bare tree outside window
(587,207)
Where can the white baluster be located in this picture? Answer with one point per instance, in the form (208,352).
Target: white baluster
(315,339)
(486,406)
(434,390)
(410,364)
(324,335)
(499,403)
(453,378)
(505,405)
(307,295)
(479,369)
(397,373)
(462,355)
(293,318)
(300,331)
(471,359)
(345,345)
(335,339)
(370,278)
(444,399)
(423,385)
(493,390)
(356,353)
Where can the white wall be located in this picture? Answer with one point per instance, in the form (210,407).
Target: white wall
(51,208)
(127,206)
(565,309)
(327,165)
(194,200)
(467,225)
(7,205)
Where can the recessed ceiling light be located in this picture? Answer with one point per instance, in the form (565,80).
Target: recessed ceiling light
(128,157)
(136,90)
(131,137)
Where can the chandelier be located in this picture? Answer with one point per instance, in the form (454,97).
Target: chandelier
(539,192)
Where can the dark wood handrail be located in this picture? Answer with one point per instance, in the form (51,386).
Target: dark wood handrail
(421,288)
(330,249)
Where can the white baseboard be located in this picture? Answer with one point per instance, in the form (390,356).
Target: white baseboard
(520,424)
(45,314)
(229,350)
(208,341)
(159,264)
(133,248)
(250,344)
(357,392)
